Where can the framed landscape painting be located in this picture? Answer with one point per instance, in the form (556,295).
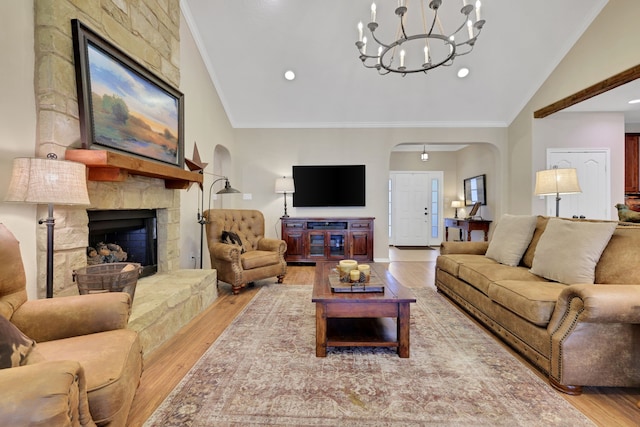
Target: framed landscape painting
(122,105)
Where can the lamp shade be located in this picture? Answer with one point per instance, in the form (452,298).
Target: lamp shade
(557,181)
(45,181)
(285,185)
(456,204)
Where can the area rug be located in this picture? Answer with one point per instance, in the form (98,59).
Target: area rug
(263,370)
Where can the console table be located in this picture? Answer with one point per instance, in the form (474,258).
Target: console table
(324,239)
(468,225)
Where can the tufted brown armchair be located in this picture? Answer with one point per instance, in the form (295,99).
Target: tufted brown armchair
(263,257)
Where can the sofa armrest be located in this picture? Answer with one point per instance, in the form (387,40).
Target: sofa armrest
(47,393)
(225,252)
(272,245)
(472,248)
(64,317)
(598,304)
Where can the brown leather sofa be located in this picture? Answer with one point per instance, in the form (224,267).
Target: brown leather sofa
(579,334)
(86,365)
(258,257)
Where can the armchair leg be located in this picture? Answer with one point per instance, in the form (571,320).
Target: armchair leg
(280,278)
(236,289)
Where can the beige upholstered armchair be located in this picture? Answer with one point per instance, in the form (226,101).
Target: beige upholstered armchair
(257,258)
(85,365)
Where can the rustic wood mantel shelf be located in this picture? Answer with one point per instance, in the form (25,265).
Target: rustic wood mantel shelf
(106,165)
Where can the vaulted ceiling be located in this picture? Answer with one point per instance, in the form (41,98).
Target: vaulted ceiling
(247,45)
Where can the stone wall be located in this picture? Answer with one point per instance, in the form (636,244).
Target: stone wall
(148,31)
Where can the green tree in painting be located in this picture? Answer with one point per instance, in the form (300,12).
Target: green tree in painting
(117,107)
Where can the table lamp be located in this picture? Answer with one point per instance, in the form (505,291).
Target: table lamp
(285,185)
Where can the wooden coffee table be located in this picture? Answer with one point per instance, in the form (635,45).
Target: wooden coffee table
(362,319)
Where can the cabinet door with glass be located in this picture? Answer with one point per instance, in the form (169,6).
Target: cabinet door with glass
(327,244)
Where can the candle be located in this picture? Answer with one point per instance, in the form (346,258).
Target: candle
(364,46)
(426,54)
(402,58)
(470,28)
(366,270)
(354,275)
(360,31)
(478,4)
(379,53)
(373,12)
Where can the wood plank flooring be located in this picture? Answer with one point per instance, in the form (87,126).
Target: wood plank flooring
(165,367)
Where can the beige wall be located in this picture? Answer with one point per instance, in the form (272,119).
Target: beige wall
(265,154)
(18,122)
(606,48)
(207,125)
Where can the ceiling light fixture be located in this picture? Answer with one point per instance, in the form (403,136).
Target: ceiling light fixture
(423,51)
(289,75)
(463,72)
(424,156)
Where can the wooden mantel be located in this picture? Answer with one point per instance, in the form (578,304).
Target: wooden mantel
(106,165)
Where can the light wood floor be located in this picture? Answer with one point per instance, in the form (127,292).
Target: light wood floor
(165,367)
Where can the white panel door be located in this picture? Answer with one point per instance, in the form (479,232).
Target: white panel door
(416,208)
(592,167)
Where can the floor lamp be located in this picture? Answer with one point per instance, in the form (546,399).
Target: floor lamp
(283,186)
(555,181)
(228,189)
(52,182)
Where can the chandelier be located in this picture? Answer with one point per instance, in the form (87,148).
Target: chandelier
(423,51)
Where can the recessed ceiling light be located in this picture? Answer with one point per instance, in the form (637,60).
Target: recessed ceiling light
(463,72)
(289,75)
(634,101)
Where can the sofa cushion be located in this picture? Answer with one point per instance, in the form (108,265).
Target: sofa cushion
(511,238)
(256,259)
(451,263)
(15,346)
(481,275)
(568,251)
(112,373)
(541,224)
(620,260)
(534,301)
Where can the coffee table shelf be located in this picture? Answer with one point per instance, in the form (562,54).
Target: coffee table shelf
(378,319)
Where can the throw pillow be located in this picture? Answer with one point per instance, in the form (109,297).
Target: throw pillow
(14,345)
(511,238)
(231,238)
(568,251)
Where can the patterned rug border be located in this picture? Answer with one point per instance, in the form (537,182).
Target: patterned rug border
(232,391)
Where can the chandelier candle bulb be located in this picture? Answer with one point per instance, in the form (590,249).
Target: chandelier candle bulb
(379,53)
(470,28)
(402,58)
(364,45)
(360,31)
(373,12)
(426,54)
(478,4)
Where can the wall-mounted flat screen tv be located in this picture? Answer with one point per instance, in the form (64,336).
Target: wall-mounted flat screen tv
(475,190)
(328,186)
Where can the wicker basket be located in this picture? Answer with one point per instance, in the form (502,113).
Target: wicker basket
(108,278)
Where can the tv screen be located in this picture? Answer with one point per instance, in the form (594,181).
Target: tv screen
(322,186)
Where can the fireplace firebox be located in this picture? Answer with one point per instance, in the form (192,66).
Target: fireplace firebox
(133,230)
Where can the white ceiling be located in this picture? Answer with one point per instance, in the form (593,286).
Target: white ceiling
(248,44)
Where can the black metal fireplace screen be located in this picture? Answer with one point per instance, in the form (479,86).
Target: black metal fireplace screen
(128,234)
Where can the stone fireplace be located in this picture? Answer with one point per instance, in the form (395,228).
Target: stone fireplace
(132,231)
(135,193)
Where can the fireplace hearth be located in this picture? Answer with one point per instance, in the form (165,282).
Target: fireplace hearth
(133,230)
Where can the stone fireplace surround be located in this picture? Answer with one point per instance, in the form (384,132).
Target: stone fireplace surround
(137,192)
